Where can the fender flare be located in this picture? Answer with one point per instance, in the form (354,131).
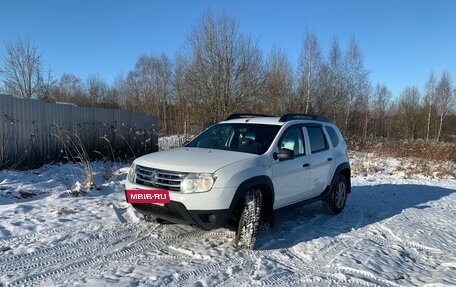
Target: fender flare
(344,169)
(267,187)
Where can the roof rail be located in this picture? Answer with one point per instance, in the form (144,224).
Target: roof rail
(289,117)
(241,115)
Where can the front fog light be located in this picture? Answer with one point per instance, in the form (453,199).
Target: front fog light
(197,182)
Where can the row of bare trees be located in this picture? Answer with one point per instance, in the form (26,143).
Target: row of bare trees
(221,71)
(423,115)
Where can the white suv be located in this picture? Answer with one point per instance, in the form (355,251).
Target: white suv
(239,171)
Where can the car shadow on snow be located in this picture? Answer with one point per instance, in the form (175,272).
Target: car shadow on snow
(365,205)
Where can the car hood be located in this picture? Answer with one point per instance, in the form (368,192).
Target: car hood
(186,159)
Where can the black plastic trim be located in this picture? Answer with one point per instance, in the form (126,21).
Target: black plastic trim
(241,115)
(176,212)
(289,117)
(322,195)
(344,167)
(267,187)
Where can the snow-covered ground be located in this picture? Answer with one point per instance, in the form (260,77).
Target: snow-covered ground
(398,229)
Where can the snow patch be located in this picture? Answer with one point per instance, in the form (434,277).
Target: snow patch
(397,229)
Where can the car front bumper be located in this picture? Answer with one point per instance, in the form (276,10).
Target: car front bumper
(177,213)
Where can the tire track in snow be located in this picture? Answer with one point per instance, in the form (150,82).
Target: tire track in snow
(61,249)
(44,259)
(320,267)
(78,266)
(92,258)
(293,260)
(186,278)
(197,233)
(339,245)
(392,237)
(78,269)
(35,236)
(312,275)
(329,252)
(367,276)
(129,240)
(229,279)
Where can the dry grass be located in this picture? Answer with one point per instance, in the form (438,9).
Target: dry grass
(419,149)
(408,159)
(75,151)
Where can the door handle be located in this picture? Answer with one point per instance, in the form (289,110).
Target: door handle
(306,165)
(330,159)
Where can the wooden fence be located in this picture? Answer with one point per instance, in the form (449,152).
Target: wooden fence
(33,133)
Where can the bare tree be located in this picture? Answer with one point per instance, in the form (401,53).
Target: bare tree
(164,87)
(45,89)
(362,112)
(309,65)
(225,69)
(356,78)
(408,112)
(112,98)
(445,93)
(430,100)
(149,87)
(381,98)
(120,85)
(334,83)
(21,69)
(68,88)
(182,96)
(279,84)
(96,90)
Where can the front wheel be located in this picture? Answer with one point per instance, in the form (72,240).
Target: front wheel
(249,221)
(334,203)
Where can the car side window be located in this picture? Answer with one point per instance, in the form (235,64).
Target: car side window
(333,136)
(317,139)
(292,139)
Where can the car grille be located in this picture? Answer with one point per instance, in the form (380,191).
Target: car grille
(159,178)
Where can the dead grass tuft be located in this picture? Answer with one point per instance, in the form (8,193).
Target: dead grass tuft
(420,149)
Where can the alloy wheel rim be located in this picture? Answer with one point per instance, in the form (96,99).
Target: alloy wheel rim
(340,194)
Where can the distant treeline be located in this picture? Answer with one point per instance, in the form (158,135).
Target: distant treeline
(221,71)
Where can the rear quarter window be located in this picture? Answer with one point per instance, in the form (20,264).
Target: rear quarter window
(333,136)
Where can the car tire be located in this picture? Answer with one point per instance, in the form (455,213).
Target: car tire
(249,221)
(334,203)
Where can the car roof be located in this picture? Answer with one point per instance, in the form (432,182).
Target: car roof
(272,120)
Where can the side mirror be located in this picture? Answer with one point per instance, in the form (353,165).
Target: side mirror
(284,154)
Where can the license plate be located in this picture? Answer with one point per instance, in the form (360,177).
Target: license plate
(151,196)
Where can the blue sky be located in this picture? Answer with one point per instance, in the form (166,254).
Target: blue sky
(401,40)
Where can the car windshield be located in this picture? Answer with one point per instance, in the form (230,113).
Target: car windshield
(249,138)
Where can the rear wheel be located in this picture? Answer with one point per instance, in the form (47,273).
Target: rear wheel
(334,203)
(249,221)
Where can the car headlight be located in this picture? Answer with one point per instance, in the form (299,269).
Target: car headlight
(197,182)
(132,173)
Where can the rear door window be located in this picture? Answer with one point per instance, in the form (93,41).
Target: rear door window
(317,139)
